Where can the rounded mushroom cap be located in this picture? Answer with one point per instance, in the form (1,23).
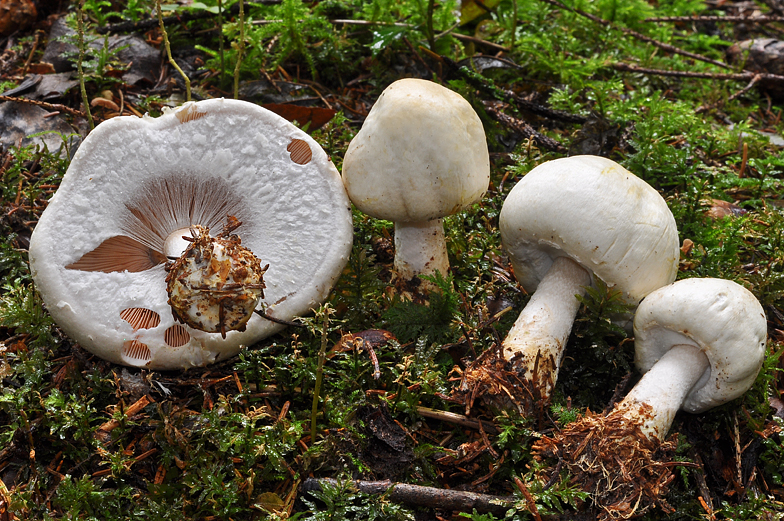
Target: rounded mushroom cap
(597,213)
(421,154)
(98,252)
(721,318)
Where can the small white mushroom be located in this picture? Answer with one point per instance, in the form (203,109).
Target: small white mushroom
(565,222)
(700,343)
(420,155)
(137,186)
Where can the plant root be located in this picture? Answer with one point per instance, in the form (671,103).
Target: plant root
(625,472)
(501,384)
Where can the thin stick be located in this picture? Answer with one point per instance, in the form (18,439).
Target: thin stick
(45,105)
(133,409)
(80,33)
(322,356)
(143,25)
(524,129)
(702,75)
(29,60)
(529,500)
(264,314)
(220,42)
(457,419)
(457,36)
(169,54)
(431,40)
(240,49)
(740,19)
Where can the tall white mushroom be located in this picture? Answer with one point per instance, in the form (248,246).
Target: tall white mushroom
(420,155)
(137,186)
(566,222)
(700,343)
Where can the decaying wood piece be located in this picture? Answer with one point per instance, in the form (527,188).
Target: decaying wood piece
(432,497)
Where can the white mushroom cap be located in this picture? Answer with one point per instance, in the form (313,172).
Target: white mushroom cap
(720,318)
(421,154)
(97,252)
(597,213)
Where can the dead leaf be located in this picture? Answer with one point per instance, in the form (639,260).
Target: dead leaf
(41,68)
(316,116)
(471,9)
(270,502)
(105,103)
(720,209)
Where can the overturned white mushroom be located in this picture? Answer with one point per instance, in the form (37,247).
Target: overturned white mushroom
(420,155)
(135,188)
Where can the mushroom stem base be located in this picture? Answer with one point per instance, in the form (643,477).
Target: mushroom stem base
(538,336)
(660,393)
(420,249)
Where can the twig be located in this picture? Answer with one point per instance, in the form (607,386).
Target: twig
(774,6)
(220,43)
(29,60)
(133,409)
(457,36)
(45,105)
(740,76)
(322,356)
(526,130)
(79,69)
(144,25)
(481,83)
(264,314)
(457,419)
(431,35)
(639,36)
(454,500)
(169,54)
(240,49)
(740,19)
(529,500)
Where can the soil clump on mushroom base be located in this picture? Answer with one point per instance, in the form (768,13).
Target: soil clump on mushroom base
(502,384)
(626,473)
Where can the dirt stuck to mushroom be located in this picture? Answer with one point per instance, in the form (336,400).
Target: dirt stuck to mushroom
(504,384)
(625,472)
(216,283)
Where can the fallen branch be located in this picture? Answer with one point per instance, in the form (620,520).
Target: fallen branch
(455,500)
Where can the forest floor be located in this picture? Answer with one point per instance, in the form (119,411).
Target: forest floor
(317,421)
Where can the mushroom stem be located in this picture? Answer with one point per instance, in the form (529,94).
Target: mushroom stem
(420,249)
(539,334)
(664,388)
